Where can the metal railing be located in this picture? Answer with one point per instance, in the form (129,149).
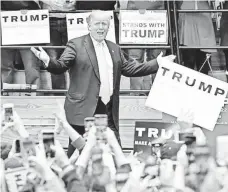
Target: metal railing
(174,46)
(51,91)
(62,47)
(178,46)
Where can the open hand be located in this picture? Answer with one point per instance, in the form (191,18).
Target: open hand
(42,55)
(161,59)
(39,162)
(61,158)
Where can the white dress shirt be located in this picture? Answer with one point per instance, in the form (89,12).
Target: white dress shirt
(101,55)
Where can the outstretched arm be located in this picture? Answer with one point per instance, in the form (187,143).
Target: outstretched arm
(57,66)
(132,68)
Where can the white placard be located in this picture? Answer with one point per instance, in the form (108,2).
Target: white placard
(221,149)
(16,179)
(148,27)
(25,27)
(77,26)
(177,88)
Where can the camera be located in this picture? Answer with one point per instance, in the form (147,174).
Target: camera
(17,146)
(187,137)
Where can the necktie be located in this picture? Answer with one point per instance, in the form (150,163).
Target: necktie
(104,78)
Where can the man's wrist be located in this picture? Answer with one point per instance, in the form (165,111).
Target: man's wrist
(48,174)
(65,164)
(46,63)
(79,143)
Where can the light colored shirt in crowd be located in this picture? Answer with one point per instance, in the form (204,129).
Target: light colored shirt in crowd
(123,4)
(59,5)
(101,62)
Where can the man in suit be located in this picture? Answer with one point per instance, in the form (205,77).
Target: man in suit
(95,66)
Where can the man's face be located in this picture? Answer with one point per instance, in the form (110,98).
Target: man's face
(98,27)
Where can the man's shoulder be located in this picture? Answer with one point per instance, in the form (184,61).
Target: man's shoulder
(77,39)
(112,44)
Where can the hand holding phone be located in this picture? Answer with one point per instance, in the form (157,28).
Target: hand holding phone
(48,139)
(8,112)
(27,149)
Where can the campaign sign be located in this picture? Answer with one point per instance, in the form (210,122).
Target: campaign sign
(147,132)
(77,25)
(16,179)
(25,27)
(221,149)
(147,27)
(177,88)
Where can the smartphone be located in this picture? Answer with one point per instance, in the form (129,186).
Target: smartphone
(27,148)
(187,138)
(17,146)
(48,139)
(8,109)
(89,122)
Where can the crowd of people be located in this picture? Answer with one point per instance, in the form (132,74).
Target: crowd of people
(195,29)
(99,164)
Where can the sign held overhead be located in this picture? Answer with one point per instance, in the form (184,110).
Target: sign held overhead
(177,87)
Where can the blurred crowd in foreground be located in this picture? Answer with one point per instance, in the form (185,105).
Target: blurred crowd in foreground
(99,164)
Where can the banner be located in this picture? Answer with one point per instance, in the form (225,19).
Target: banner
(146,132)
(25,27)
(77,26)
(177,88)
(149,27)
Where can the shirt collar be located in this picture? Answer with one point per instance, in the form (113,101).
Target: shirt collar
(95,43)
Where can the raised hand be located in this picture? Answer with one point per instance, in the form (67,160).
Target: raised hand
(60,118)
(42,55)
(61,158)
(185,119)
(39,162)
(161,59)
(16,127)
(61,122)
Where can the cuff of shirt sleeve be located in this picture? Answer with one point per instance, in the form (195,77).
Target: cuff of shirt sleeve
(126,167)
(66,171)
(78,143)
(46,63)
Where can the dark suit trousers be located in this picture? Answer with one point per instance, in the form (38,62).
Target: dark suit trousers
(101,109)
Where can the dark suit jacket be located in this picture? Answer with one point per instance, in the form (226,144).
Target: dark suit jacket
(83,94)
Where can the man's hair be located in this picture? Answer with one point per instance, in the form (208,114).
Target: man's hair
(100,12)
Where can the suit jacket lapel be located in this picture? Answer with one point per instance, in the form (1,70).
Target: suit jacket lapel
(115,64)
(92,54)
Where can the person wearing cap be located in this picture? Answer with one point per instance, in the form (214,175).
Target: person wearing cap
(95,66)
